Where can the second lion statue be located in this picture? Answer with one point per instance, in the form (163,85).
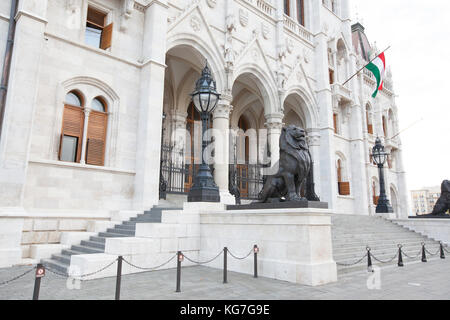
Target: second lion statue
(295,172)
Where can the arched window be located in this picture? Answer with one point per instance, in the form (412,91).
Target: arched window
(72,128)
(96,134)
(75,135)
(383,120)
(369,120)
(343,184)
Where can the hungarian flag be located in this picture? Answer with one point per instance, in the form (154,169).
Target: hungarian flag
(378,67)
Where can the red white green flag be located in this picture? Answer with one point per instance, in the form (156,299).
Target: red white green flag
(378,67)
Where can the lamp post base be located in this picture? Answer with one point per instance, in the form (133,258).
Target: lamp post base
(384,208)
(204,188)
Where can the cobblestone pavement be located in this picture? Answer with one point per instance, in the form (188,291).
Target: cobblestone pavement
(415,281)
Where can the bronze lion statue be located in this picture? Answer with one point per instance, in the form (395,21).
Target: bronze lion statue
(443,203)
(295,173)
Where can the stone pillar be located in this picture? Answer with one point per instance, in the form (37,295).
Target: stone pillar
(151,96)
(21,101)
(403,197)
(328,173)
(274,124)
(314,147)
(221,124)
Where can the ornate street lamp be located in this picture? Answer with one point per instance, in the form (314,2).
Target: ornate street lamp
(380,157)
(205,98)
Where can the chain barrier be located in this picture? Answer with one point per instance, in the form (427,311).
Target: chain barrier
(149,268)
(351,264)
(412,257)
(384,261)
(205,262)
(4,283)
(446,250)
(432,254)
(243,258)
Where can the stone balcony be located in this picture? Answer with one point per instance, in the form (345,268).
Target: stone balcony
(299,31)
(342,93)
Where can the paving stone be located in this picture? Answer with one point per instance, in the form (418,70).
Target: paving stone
(206,284)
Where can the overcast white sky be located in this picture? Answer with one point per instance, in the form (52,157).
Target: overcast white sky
(419,33)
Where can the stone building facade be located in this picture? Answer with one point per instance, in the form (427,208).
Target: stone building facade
(91,80)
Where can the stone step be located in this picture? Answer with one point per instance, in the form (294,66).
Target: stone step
(87,250)
(411,251)
(56,266)
(93,244)
(97,239)
(362,246)
(112,235)
(71,252)
(395,237)
(130,233)
(62,258)
(131,227)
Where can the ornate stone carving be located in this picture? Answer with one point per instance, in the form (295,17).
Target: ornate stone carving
(127,10)
(195,23)
(289,45)
(211,3)
(265,31)
(243,17)
(228,47)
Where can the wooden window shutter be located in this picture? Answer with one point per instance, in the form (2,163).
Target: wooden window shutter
(73,125)
(335,122)
(96,139)
(344,188)
(107,37)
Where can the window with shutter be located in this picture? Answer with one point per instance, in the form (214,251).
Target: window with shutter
(72,129)
(335,122)
(301,12)
(287,7)
(97,33)
(96,134)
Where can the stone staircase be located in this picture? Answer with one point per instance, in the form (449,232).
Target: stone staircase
(96,244)
(352,234)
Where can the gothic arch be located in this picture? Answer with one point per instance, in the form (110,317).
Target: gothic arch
(264,83)
(308,110)
(215,60)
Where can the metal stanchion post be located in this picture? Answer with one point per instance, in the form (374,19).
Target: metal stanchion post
(180,259)
(119,277)
(400,258)
(369,260)
(40,273)
(255,260)
(424,256)
(225,266)
(441,248)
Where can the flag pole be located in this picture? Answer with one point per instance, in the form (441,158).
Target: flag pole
(366,65)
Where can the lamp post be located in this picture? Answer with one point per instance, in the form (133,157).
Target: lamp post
(205,98)
(380,156)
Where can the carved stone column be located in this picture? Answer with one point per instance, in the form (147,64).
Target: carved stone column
(221,125)
(314,147)
(274,124)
